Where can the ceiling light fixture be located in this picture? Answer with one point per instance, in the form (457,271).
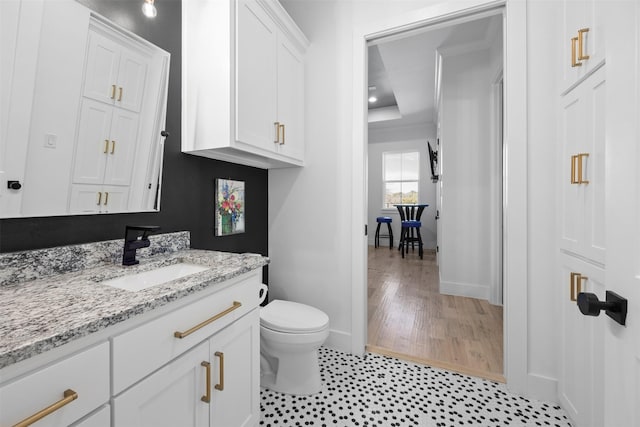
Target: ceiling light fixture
(372,99)
(149,9)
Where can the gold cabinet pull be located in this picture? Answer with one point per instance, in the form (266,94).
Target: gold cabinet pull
(113,91)
(277,125)
(575,285)
(574,62)
(106,146)
(574,180)
(220,385)
(120,93)
(99,198)
(282,127)
(580,179)
(113,147)
(69,396)
(106,198)
(236,304)
(581,55)
(207,395)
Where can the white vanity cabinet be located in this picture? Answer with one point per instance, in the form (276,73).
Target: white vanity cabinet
(215,384)
(76,385)
(209,377)
(243,83)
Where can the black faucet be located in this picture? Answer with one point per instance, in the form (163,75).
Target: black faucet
(136,237)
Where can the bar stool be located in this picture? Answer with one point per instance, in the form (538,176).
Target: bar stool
(407,237)
(384,220)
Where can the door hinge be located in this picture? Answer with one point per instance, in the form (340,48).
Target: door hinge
(437,248)
(365,230)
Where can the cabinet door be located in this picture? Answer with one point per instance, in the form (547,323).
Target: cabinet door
(256,69)
(168,398)
(235,354)
(582,203)
(93,142)
(132,75)
(114,199)
(88,198)
(103,62)
(121,152)
(582,15)
(582,368)
(290,99)
(102,418)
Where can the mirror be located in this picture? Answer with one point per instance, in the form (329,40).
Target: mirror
(82,112)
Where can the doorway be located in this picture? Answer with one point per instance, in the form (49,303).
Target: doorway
(416,310)
(515,137)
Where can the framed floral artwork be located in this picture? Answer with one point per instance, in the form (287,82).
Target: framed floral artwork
(230,209)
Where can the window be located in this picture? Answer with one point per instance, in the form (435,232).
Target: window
(400,176)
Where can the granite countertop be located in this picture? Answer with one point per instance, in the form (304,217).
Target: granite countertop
(41,314)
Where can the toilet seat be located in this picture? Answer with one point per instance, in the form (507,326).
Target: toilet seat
(292,317)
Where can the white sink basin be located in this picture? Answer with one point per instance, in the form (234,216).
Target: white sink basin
(158,276)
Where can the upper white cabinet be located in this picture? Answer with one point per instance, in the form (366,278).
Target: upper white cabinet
(116,72)
(121,90)
(243,83)
(583,39)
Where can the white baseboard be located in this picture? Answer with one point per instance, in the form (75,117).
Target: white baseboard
(470,290)
(339,340)
(542,388)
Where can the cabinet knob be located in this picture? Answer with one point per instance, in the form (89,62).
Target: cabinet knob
(614,305)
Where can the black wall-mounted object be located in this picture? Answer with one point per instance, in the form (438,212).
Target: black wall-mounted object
(615,306)
(433,160)
(14,185)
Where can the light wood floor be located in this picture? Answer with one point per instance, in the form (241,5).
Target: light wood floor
(410,319)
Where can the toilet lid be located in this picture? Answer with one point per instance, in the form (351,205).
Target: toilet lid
(292,317)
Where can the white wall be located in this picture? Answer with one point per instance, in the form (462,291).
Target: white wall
(401,139)
(467,246)
(309,217)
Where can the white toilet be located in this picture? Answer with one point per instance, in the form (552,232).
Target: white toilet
(290,336)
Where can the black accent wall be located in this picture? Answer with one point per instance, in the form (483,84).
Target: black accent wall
(187,201)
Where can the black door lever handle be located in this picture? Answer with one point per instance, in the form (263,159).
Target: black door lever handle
(615,306)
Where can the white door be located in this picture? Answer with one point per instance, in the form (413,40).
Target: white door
(236,372)
(290,99)
(622,275)
(93,143)
(256,69)
(170,397)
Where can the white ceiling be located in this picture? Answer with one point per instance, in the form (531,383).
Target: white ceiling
(403,68)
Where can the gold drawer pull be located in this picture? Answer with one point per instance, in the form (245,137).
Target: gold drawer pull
(574,62)
(113,92)
(581,55)
(178,334)
(277,125)
(220,385)
(575,285)
(207,396)
(69,396)
(282,127)
(120,94)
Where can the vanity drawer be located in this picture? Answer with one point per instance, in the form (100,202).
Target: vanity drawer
(142,350)
(86,374)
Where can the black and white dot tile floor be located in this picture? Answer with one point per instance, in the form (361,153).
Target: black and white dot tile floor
(379,391)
